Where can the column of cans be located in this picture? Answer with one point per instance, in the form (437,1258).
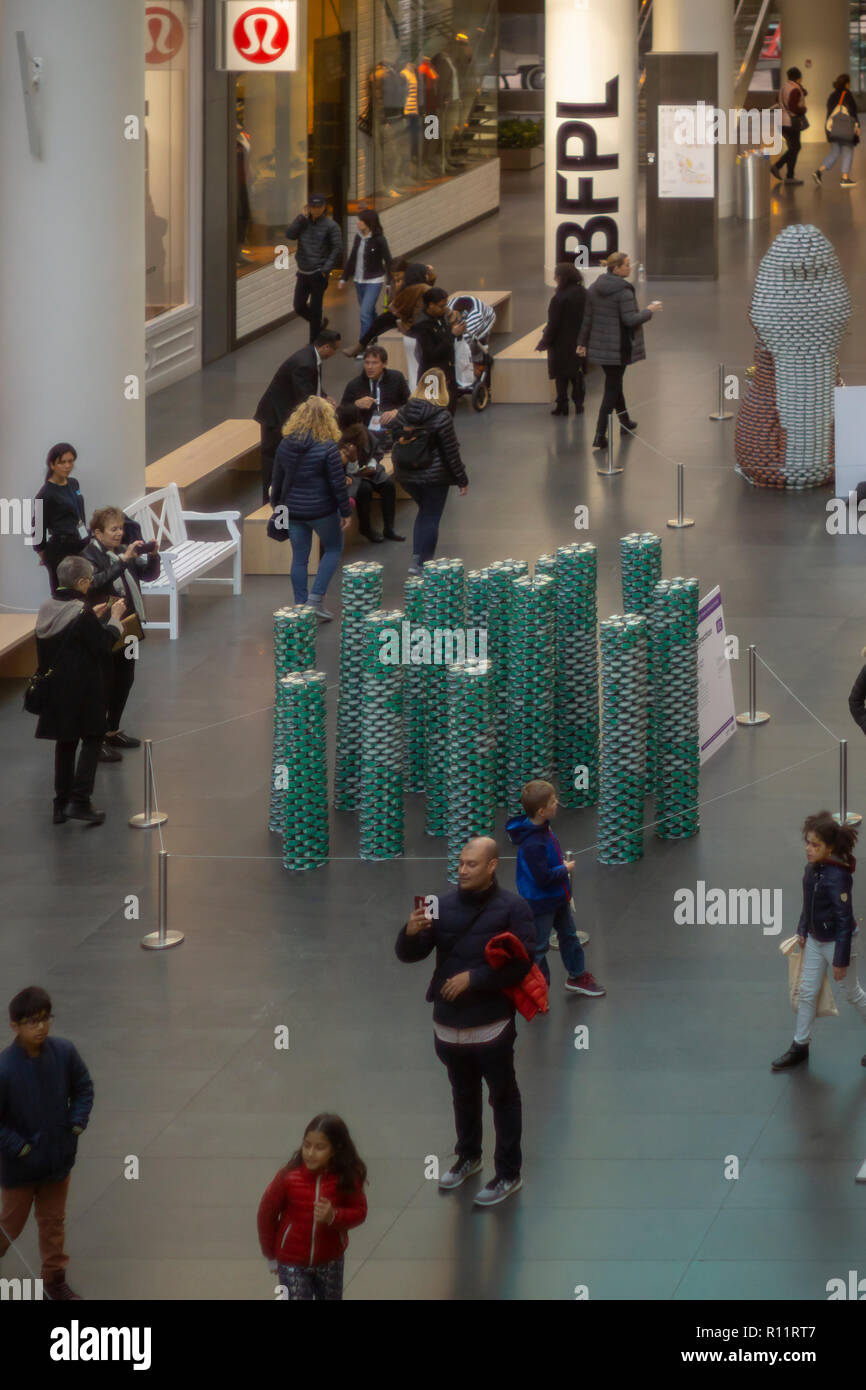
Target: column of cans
(673,629)
(380,810)
(414,693)
(362,592)
(444,617)
(530,683)
(294,650)
(641,569)
(574,568)
(623,739)
(471,757)
(301,699)
(499,576)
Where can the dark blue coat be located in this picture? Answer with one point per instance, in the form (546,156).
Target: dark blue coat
(309,478)
(828,912)
(542,877)
(41,1099)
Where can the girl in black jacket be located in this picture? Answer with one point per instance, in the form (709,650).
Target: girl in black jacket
(426,411)
(116,572)
(827,927)
(840,96)
(564,318)
(368,264)
(61,523)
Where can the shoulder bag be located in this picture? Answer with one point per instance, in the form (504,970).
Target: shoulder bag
(37,692)
(275,532)
(414,451)
(841,125)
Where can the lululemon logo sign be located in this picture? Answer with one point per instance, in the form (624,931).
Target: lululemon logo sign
(261,34)
(165,32)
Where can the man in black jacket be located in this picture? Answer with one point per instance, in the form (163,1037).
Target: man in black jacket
(320,247)
(473,1020)
(299,376)
(378,392)
(46,1096)
(434,339)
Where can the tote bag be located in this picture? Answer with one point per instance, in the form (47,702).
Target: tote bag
(826,1003)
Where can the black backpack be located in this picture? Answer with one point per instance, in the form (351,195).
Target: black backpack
(414,450)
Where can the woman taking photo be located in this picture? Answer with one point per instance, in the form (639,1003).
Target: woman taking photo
(426,458)
(564,317)
(367,265)
(61,525)
(843,132)
(611,335)
(309,494)
(117,570)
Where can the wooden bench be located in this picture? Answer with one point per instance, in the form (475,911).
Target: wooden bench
(184,561)
(395,343)
(233,444)
(520,373)
(17,644)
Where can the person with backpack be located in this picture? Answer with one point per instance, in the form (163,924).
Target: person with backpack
(427,462)
(792,101)
(843,132)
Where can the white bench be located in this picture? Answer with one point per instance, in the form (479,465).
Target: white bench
(184,561)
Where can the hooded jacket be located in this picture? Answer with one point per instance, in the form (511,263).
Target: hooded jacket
(828,913)
(287,1230)
(542,878)
(447,466)
(71,641)
(611,330)
(41,1099)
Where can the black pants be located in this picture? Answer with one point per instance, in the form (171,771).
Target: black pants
(578,389)
(381,324)
(309,293)
(118,675)
(272,436)
(363,500)
(789,158)
(613,399)
(430,499)
(469,1065)
(73,783)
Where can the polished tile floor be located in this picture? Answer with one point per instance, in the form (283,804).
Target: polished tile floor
(627,1142)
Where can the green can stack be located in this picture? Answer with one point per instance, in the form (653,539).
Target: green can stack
(443,609)
(530,666)
(303,753)
(471,757)
(673,632)
(623,739)
(575,713)
(477,599)
(294,650)
(380,810)
(499,576)
(362,592)
(414,691)
(641,563)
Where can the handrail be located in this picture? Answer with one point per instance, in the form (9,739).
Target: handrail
(647,9)
(756,36)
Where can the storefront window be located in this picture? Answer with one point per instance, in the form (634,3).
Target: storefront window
(166,91)
(271,162)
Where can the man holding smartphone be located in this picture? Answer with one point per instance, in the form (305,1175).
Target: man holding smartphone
(319,249)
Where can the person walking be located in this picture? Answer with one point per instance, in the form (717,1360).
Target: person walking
(564,318)
(318,253)
(427,462)
(309,494)
(792,100)
(308,1209)
(612,335)
(117,570)
(368,264)
(297,378)
(827,928)
(59,527)
(73,642)
(843,132)
(434,336)
(46,1096)
(409,280)
(473,1018)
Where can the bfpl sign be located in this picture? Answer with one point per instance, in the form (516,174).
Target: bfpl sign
(577,126)
(259,38)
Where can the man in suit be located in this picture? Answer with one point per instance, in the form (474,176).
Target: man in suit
(299,376)
(378,392)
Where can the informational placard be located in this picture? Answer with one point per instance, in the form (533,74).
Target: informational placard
(258,38)
(715,687)
(686,162)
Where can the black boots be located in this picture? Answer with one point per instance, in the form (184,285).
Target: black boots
(797,1053)
(560,409)
(627,423)
(600,441)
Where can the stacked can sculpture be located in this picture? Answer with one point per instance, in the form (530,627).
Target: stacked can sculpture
(294,650)
(673,631)
(303,756)
(362,592)
(444,615)
(471,757)
(623,739)
(380,811)
(530,683)
(414,692)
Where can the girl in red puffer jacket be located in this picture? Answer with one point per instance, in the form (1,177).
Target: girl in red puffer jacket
(308,1208)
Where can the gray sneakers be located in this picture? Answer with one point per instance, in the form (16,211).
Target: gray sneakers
(459,1172)
(497,1191)
(318,606)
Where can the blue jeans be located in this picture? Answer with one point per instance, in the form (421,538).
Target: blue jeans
(327,528)
(430,499)
(367,297)
(562,922)
(847,153)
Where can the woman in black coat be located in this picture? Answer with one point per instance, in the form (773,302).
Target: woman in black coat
(612,335)
(72,641)
(61,524)
(368,264)
(427,412)
(117,572)
(564,317)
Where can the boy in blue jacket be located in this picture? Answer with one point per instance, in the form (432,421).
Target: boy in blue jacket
(46,1096)
(543,879)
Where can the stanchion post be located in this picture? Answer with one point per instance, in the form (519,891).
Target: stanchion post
(147,818)
(845,817)
(679,521)
(610,471)
(721,413)
(753,715)
(162,938)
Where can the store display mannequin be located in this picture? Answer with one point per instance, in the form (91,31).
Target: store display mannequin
(412,118)
(449,108)
(433,151)
(387,99)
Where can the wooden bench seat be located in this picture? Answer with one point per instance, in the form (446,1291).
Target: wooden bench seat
(17,644)
(520,373)
(233,444)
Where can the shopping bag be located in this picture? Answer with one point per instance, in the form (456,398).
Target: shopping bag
(826,1003)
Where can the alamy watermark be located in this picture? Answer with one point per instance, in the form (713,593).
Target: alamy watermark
(22,516)
(439,646)
(710,125)
(720,907)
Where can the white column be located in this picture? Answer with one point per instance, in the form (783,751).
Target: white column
(815,40)
(590,102)
(704,26)
(72,260)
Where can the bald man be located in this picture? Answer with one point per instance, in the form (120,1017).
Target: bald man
(473,1020)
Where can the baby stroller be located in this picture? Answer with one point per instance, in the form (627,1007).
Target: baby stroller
(473,360)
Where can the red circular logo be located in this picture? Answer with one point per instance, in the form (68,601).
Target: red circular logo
(165,31)
(261,34)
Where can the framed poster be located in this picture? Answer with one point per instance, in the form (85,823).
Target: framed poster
(715,687)
(686,163)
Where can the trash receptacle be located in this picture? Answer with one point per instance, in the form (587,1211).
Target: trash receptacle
(753,185)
